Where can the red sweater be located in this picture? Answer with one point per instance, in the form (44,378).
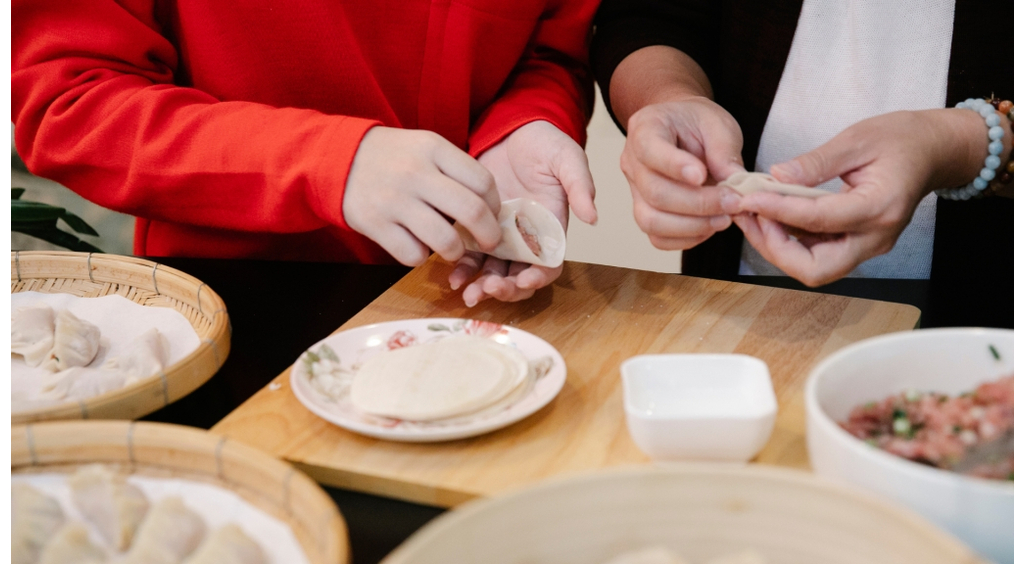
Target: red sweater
(228,128)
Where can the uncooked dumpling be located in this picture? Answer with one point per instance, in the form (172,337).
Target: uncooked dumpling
(228,545)
(529,233)
(145,356)
(109,502)
(79,383)
(750,182)
(72,546)
(75,342)
(168,534)
(35,517)
(32,333)
(453,376)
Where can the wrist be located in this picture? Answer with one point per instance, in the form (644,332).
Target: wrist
(654,75)
(988,141)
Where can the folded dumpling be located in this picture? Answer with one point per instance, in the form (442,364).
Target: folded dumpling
(109,502)
(145,356)
(32,330)
(35,517)
(228,545)
(75,342)
(79,383)
(530,233)
(750,182)
(170,532)
(72,546)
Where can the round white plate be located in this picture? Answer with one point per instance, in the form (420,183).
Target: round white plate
(321,377)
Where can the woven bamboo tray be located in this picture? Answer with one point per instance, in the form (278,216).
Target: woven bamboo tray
(146,283)
(164,450)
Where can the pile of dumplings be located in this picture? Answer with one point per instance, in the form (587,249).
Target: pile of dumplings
(133,531)
(66,347)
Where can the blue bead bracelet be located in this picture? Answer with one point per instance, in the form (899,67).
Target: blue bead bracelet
(992,161)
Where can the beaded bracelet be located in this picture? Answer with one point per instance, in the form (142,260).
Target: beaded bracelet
(990,111)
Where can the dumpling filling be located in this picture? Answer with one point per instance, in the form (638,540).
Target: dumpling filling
(529,233)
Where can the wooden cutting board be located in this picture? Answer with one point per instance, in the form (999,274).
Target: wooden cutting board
(596,316)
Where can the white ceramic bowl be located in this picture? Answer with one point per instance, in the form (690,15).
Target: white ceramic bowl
(718,407)
(944,360)
(700,511)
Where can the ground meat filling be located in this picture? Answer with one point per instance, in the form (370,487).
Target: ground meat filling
(529,234)
(938,430)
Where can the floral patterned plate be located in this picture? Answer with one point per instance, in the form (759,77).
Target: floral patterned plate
(321,377)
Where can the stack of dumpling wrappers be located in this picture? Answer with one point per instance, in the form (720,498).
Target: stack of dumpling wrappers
(134,529)
(454,377)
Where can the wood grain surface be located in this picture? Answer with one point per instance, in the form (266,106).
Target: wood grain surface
(596,316)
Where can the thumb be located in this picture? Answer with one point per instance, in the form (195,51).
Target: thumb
(723,154)
(574,174)
(818,166)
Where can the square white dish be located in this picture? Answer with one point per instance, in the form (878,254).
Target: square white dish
(714,407)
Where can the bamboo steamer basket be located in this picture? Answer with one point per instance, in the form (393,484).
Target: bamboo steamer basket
(700,511)
(162,450)
(144,282)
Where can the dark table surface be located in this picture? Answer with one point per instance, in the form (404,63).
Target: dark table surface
(278,309)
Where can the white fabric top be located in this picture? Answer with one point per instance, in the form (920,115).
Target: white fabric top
(851,60)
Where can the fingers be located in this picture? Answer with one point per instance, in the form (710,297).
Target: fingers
(573,171)
(465,269)
(660,225)
(452,199)
(838,213)
(401,244)
(655,149)
(465,170)
(812,262)
(508,282)
(835,158)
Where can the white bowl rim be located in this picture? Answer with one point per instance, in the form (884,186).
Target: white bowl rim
(889,460)
(771,410)
(468,511)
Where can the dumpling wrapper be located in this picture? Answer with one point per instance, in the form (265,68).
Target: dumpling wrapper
(228,545)
(170,532)
(32,333)
(453,376)
(109,502)
(542,231)
(75,342)
(35,518)
(750,182)
(80,383)
(145,356)
(72,546)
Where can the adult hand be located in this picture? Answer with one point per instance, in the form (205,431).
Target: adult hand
(675,151)
(888,164)
(540,162)
(403,187)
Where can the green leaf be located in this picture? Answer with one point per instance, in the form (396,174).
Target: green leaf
(60,238)
(16,193)
(995,353)
(437,327)
(33,211)
(328,353)
(78,224)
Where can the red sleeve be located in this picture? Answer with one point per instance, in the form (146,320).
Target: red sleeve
(551,82)
(96,109)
